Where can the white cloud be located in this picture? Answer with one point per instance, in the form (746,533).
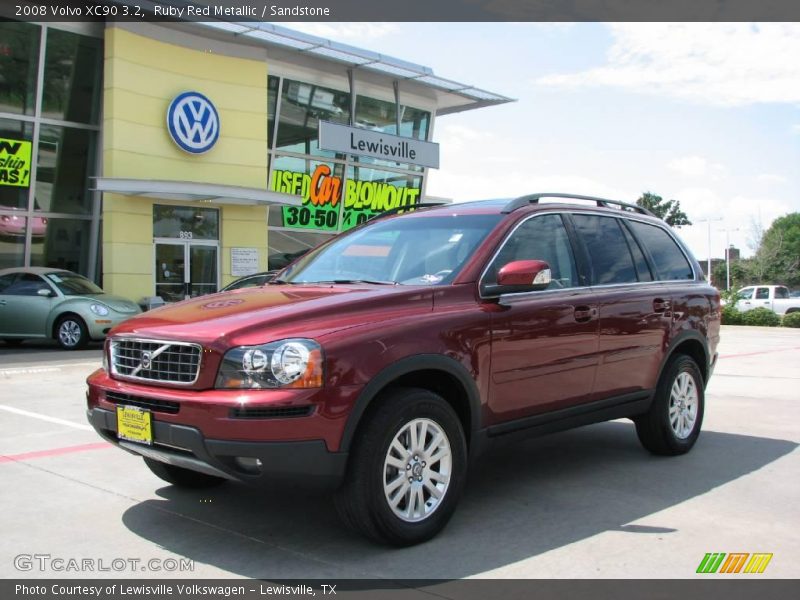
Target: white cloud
(695,166)
(772,178)
(727,64)
(345,31)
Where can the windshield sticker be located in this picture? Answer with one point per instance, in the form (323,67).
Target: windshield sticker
(431,279)
(456,237)
(54,277)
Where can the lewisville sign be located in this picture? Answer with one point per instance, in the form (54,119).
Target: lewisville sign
(366,142)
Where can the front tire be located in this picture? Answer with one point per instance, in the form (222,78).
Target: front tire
(672,425)
(407,469)
(71,333)
(181,477)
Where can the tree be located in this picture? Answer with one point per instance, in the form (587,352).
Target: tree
(779,251)
(669,210)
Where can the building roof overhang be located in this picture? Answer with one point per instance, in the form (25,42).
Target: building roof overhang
(193,191)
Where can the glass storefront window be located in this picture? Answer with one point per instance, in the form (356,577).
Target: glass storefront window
(72,74)
(15,163)
(318,184)
(61,243)
(369,192)
(272,101)
(66,158)
(303,105)
(286,246)
(12,240)
(19,62)
(414,122)
(185,222)
(377,115)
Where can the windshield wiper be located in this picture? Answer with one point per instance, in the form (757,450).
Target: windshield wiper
(348,281)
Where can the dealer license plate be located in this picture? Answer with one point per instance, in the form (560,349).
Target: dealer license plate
(134,424)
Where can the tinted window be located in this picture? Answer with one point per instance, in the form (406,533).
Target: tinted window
(26,284)
(642,268)
(539,238)
(609,255)
(781,292)
(762,294)
(670,261)
(5,281)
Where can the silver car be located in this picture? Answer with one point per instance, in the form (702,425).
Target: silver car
(38,302)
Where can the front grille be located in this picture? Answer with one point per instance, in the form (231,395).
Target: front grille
(278,412)
(161,362)
(154,404)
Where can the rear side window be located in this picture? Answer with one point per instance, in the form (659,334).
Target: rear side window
(5,281)
(670,262)
(609,254)
(781,293)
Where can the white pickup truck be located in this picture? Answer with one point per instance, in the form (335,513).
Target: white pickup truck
(774,297)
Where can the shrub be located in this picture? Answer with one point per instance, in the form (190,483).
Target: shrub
(761,316)
(791,319)
(730,315)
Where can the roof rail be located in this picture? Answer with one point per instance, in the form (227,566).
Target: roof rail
(408,207)
(604,202)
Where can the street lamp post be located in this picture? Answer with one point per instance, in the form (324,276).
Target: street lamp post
(708,267)
(728,255)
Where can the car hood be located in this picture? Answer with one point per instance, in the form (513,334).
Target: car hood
(257,315)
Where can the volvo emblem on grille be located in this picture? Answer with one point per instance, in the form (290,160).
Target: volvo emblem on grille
(147,360)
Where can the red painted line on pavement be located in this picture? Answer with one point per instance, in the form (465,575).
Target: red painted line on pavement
(759,352)
(53,452)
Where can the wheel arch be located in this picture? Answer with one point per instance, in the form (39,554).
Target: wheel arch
(692,344)
(434,372)
(57,318)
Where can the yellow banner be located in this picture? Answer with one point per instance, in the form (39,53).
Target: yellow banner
(15,162)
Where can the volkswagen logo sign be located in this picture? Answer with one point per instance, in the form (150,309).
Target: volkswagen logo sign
(193,122)
(147,360)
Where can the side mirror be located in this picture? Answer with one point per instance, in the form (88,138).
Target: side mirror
(45,293)
(530,274)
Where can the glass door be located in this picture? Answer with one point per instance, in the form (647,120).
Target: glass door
(185,269)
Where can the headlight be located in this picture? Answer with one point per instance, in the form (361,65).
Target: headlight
(98,309)
(295,363)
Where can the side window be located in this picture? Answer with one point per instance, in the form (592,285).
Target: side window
(642,268)
(6,281)
(745,293)
(670,262)
(762,294)
(26,284)
(609,255)
(781,293)
(544,238)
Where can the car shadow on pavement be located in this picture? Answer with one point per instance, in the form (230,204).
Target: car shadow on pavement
(521,500)
(44,352)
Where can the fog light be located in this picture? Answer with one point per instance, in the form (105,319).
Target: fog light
(248,464)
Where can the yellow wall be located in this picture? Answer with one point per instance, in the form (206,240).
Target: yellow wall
(142,76)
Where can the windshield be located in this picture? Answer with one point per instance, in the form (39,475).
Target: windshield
(427,250)
(72,284)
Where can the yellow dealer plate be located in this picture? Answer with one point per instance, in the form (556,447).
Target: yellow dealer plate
(134,424)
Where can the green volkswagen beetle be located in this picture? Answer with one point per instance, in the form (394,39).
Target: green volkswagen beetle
(38,302)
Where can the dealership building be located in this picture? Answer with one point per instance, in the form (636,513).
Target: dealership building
(167,160)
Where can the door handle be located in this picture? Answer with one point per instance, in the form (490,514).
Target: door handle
(583,314)
(660,305)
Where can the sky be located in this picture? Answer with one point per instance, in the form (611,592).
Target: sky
(704,113)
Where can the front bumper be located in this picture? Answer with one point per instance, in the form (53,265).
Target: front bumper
(307,462)
(98,326)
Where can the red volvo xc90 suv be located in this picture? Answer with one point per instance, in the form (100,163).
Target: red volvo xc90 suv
(386,359)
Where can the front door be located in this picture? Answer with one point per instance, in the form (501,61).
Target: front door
(185,269)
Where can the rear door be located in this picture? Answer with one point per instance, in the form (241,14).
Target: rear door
(634,308)
(544,343)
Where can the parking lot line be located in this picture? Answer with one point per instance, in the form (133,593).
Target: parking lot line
(758,352)
(53,452)
(47,418)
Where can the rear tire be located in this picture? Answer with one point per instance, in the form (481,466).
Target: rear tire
(181,477)
(71,333)
(672,425)
(407,469)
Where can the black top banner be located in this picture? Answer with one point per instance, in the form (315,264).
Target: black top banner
(402,10)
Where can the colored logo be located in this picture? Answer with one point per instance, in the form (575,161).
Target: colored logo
(735,562)
(221,303)
(193,122)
